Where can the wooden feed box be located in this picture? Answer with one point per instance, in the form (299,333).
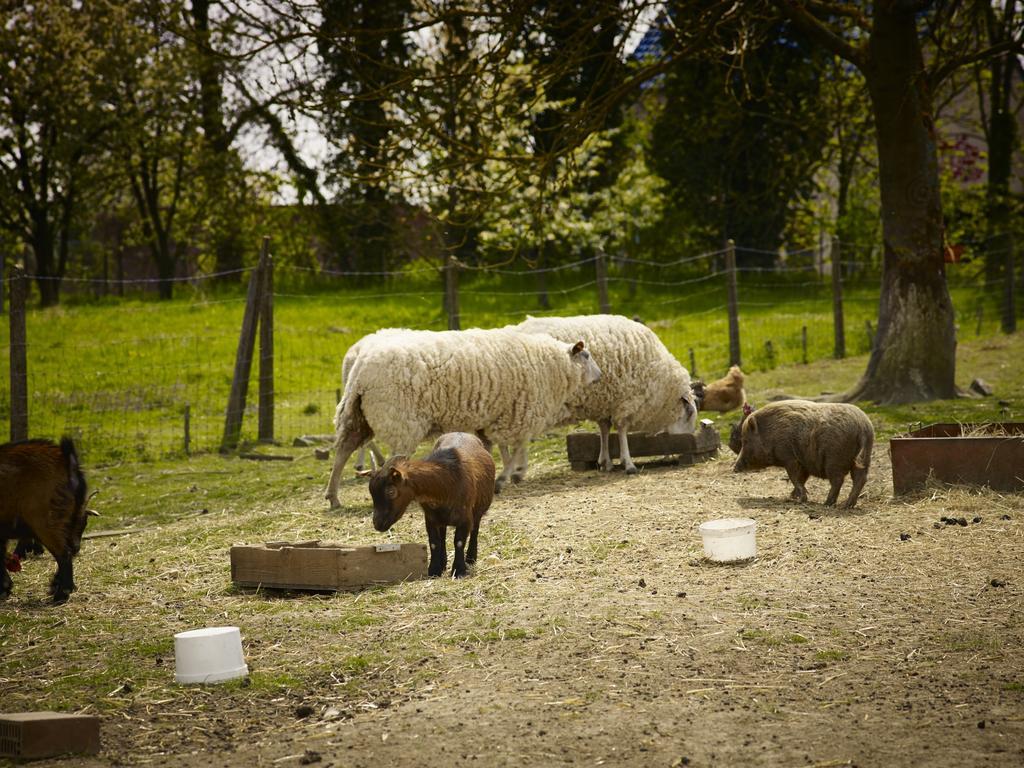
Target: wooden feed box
(27,735)
(585,447)
(960,453)
(321,566)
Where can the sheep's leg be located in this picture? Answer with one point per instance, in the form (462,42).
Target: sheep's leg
(378,455)
(624,457)
(350,437)
(604,459)
(507,465)
(859,477)
(438,555)
(462,534)
(798,476)
(521,461)
(6,583)
(361,458)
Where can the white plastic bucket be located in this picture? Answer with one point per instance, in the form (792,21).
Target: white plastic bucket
(729,539)
(208,655)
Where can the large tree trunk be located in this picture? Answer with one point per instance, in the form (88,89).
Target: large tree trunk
(47,276)
(914,357)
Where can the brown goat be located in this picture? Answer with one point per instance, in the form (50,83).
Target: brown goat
(43,496)
(454,485)
(723,395)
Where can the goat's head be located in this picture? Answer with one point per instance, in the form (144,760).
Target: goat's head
(391,493)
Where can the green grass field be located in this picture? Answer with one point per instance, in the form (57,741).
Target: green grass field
(118,375)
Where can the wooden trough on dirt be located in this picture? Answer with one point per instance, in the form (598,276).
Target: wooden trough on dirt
(683,450)
(971,454)
(325,566)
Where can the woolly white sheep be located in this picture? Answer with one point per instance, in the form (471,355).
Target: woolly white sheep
(348,362)
(499,383)
(643,387)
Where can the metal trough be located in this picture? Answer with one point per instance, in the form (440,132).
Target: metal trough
(960,453)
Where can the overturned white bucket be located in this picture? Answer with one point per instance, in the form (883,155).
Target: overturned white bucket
(729,539)
(208,655)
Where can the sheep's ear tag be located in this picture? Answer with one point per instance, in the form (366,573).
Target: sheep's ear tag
(577,348)
(364,472)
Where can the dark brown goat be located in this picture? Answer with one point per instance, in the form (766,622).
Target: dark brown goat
(43,496)
(454,485)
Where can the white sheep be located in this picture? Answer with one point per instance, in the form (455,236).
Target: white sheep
(349,361)
(502,384)
(643,387)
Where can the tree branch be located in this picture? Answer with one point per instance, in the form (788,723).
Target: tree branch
(821,33)
(944,70)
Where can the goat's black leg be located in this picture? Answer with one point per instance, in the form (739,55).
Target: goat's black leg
(461,537)
(6,584)
(438,555)
(471,549)
(63,583)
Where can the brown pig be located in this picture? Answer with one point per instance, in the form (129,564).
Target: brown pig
(826,440)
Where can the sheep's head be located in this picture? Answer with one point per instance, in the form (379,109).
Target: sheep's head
(581,357)
(686,423)
(391,493)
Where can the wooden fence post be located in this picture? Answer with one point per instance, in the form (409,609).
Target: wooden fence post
(451,292)
(243,363)
(803,340)
(601,266)
(188,429)
(266,393)
(19,358)
(838,324)
(3,277)
(1009,286)
(693,363)
(734,318)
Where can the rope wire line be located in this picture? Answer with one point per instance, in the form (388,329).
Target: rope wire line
(120,377)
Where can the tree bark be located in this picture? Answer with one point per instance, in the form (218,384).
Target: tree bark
(225,219)
(914,357)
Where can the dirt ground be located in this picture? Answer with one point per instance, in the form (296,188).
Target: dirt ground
(593,632)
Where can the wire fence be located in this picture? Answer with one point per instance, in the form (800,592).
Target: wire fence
(136,378)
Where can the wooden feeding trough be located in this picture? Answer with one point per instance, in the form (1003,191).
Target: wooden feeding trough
(683,450)
(325,566)
(971,454)
(30,735)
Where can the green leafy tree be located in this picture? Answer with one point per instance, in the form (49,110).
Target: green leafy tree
(754,135)
(158,140)
(365,53)
(53,112)
(914,356)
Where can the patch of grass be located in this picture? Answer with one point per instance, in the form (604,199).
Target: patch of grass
(1014,687)
(831,655)
(970,641)
(771,639)
(119,375)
